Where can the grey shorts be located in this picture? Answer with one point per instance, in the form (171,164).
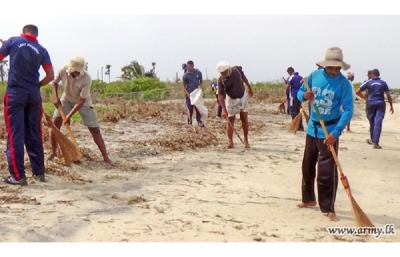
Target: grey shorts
(87,113)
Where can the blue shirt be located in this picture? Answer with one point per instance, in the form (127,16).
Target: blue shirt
(376,89)
(294,82)
(330,95)
(192,80)
(26,57)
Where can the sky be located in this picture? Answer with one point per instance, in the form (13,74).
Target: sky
(263,37)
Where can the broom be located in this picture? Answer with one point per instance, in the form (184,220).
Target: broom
(294,125)
(60,110)
(233,128)
(360,216)
(71,135)
(281,107)
(306,116)
(69,151)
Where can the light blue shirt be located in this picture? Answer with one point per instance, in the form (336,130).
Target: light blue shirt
(334,99)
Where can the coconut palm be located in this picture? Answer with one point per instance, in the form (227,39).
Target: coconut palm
(132,71)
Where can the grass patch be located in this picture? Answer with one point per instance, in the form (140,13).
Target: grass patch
(49,108)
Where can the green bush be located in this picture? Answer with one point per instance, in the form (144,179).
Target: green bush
(49,108)
(135,85)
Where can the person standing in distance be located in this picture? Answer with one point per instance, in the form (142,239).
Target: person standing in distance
(192,80)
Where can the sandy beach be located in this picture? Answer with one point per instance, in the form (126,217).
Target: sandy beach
(176,183)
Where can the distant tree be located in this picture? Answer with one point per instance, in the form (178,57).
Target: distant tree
(132,71)
(3,65)
(108,67)
(152,72)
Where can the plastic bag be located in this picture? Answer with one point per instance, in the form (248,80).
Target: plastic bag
(196,99)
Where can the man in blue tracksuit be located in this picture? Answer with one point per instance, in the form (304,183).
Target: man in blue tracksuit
(293,84)
(23,105)
(331,91)
(376,106)
(192,79)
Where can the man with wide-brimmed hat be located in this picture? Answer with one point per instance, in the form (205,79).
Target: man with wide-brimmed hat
(76,83)
(332,93)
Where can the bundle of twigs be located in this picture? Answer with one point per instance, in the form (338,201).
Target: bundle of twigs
(71,135)
(68,150)
(295,123)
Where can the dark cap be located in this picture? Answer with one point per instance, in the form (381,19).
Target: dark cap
(375,72)
(290,69)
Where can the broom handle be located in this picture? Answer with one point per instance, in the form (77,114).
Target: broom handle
(67,125)
(50,122)
(324,129)
(233,128)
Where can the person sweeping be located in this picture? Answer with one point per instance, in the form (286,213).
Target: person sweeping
(76,83)
(331,90)
(231,84)
(23,105)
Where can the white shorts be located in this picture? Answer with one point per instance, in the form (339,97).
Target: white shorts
(238,105)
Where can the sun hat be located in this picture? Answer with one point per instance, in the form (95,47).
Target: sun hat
(222,66)
(76,63)
(334,57)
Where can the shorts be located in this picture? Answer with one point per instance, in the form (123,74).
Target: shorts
(87,113)
(238,105)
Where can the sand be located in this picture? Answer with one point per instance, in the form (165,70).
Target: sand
(203,194)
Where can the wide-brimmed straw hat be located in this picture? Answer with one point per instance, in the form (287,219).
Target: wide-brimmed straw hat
(76,63)
(334,58)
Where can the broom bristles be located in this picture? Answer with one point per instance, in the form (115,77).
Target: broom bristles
(68,150)
(294,126)
(361,218)
(281,107)
(306,116)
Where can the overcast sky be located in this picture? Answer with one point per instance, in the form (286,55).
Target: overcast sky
(264,39)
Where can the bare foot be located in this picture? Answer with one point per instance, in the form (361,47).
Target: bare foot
(51,157)
(109,162)
(246,145)
(332,216)
(229,146)
(305,205)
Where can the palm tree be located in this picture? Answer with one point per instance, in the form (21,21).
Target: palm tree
(132,71)
(108,66)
